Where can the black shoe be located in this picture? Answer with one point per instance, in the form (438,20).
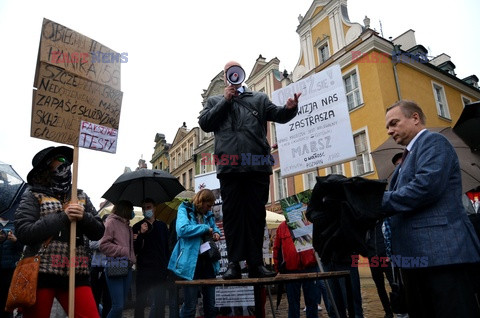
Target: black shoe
(260,271)
(233,271)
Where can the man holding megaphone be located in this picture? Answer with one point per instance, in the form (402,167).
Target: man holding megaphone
(239,120)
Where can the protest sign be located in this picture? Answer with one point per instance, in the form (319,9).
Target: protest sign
(63,100)
(294,208)
(321,134)
(79,55)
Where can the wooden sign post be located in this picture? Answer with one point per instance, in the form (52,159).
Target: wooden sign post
(76,101)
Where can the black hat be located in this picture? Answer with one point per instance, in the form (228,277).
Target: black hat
(40,159)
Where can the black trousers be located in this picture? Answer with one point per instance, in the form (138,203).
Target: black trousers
(444,291)
(378,275)
(244,196)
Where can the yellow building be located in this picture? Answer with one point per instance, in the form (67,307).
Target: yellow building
(376,73)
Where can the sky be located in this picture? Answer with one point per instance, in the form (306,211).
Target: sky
(175,48)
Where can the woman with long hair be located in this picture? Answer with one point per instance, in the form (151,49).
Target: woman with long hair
(117,245)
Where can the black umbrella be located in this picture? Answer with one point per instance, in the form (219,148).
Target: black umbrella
(342,210)
(468,126)
(469,161)
(11,189)
(135,186)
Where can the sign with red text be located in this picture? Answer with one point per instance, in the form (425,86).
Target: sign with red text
(79,55)
(97,137)
(76,96)
(321,134)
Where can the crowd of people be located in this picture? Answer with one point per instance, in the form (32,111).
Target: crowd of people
(424,217)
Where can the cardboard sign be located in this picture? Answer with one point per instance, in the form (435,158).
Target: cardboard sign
(63,100)
(321,134)
(79,55)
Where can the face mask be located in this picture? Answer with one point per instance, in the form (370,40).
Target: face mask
(62,178)
(148,214)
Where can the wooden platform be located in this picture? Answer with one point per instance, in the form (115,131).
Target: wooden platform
(280,278)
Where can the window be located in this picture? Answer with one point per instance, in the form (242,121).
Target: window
(352,90)
(280,186)
(273,134)
(173,163)
(185,154)
(190,178)
(309,180)
(184,179)
(190,153)
(466,100)
(362,163)
(336,169)
(440,101)
(323,53)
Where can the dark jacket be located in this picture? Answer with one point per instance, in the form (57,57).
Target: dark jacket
(240,128)
(9,251)
(40,216)
(375,241)
(151,248)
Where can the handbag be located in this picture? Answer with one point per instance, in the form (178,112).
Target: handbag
(22,292)
(213,253)
(117,271)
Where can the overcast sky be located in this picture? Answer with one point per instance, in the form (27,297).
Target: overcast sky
(176,47)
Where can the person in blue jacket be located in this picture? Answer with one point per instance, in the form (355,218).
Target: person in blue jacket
(195,225)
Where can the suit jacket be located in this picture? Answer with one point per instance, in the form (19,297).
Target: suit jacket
(425,196)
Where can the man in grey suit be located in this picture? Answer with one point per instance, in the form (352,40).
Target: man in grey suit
(433,241)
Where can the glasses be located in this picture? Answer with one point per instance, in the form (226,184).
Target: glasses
(61,159)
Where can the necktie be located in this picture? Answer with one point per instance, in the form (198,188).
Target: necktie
(404,155)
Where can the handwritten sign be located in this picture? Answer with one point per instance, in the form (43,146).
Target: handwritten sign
(97,137)
(321,134)
(63,100)
(78,55)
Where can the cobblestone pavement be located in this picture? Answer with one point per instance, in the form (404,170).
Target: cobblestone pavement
(372,307)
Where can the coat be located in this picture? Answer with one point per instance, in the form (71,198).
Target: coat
(425,196)
(117,242)
(240,128)
(285,255)
(190,236)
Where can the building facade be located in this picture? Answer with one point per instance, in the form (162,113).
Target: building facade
(376,73)
(181,154)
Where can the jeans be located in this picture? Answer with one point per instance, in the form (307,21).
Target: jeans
(189,306)
(322,293)
(310,295)
(148,284)
(339,289)
(118,288)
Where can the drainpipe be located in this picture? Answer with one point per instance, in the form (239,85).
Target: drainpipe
(396,56)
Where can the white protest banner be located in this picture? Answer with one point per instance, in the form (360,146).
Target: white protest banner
(321,134)
(97,137)
(228,296)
